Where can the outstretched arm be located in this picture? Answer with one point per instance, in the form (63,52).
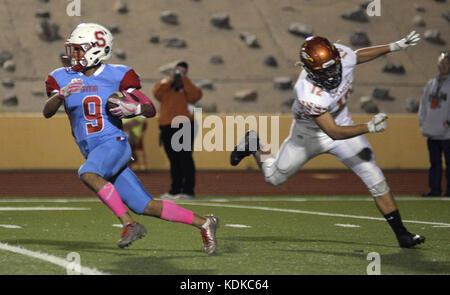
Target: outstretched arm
(369,53)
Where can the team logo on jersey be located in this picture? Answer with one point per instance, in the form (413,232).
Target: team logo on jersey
(344,87)
(89,88)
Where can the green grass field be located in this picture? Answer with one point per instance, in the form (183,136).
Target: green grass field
(257,236)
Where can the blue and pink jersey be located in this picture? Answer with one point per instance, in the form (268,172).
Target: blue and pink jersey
(91,123)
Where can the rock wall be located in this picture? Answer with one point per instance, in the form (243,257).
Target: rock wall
(242,52)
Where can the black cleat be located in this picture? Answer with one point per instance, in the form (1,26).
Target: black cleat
(248,145)
(409,240)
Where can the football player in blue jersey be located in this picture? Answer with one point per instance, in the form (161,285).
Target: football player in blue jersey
(84,86)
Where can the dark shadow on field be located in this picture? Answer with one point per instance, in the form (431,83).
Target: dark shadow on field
(412,260)
(282,239)
(151,265)
(62,245)
(132,260)
(90,246)
(75,246)
(408,259)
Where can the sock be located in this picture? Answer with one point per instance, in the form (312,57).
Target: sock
(395,221)
(175,213)
(110,197)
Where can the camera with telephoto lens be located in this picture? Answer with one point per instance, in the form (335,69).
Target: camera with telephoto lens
(177,82)
(177,75)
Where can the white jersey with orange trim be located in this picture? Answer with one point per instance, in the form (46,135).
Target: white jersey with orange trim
(306,140)
(313,101)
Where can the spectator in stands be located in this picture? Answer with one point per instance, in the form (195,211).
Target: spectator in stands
(434,120)
(174,94)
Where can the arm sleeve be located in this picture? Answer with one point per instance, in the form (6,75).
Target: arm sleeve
(130,80)
(143,99)
(193,93)
(51,85)
(160,88)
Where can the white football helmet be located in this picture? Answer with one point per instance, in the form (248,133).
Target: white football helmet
(94,40)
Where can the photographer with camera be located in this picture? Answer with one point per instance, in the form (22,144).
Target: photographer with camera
(174,94)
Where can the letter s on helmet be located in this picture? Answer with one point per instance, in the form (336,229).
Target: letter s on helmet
(322,62)
(95,40)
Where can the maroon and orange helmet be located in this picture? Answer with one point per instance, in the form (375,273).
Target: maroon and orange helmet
(322,62)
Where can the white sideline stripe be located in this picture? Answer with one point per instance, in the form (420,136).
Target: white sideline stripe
(42,208)
(441,224)
(49,258)
(45,200)
(304,212)
(233,199)
(304,199)
(10,226)
(347,225)
(238,225)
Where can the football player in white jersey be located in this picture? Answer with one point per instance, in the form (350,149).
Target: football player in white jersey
(322,124)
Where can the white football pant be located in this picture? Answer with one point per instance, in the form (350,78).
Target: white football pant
(305,143)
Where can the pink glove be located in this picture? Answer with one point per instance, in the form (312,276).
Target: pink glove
(125,109)
(73,87)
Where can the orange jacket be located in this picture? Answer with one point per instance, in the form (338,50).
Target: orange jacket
(174,103)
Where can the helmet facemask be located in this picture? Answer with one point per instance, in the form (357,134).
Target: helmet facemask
(75,56)
(328,78)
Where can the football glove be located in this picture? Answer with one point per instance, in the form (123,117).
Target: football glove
(378,123)
(125,109)
(73,87)
(406,42)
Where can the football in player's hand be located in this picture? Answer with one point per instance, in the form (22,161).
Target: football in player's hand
(118,95)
